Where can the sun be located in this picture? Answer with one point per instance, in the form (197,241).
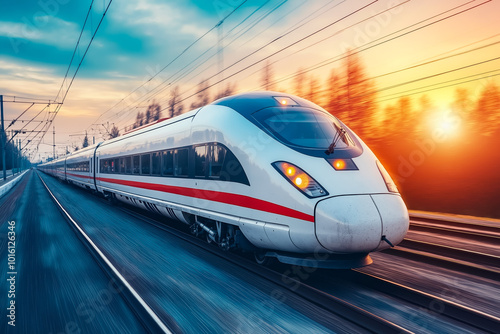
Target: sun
(448,123)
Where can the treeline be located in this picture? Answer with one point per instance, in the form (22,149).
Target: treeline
(176,107)
(13,159)
(444,158)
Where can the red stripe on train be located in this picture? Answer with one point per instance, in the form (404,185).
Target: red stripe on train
(217,196)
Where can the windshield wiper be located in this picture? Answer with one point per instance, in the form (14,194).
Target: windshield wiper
(341,134)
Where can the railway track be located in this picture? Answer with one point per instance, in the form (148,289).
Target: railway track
(367,321)
(147,317)
(432,303)
(473,263)
(349,311)
(485,233)
(363,319)
(452,257)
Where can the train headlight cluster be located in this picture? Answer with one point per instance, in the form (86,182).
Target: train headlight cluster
(391,186)
(300,179)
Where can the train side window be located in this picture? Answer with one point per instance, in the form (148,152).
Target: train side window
(121,169)
(217,157)
(146,164)
(128,165)
(136,164)
(155,163)
(181,164)
(104,165)
(200,161)
(232,170)
(168,163)
(115,166)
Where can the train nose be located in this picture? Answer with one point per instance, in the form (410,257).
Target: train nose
(357,223)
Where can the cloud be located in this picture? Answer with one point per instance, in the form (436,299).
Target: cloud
(44,29)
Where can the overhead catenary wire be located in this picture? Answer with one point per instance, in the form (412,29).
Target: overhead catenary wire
(171,79)
(391,39)
(276,52)
(175,58)
(58,106)
(382,40)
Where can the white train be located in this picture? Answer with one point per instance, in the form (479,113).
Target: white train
(265,171)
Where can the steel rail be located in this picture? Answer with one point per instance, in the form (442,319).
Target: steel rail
(452,252)
(428,301)
(148,318)
(354,314)
(470,235)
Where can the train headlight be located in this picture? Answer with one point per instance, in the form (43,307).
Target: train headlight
(300,179)
(391,186)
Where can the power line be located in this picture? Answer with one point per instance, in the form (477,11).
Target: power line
(173,60)
(58,107)
(170,79)
(76,48)
(441,87)
(276,52)
(367,46)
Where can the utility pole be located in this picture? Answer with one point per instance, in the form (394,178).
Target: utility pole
(12,157)
(54,142)
(20,156)
(3,139)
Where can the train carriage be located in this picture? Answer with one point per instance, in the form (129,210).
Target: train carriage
(265,171)
(80,167)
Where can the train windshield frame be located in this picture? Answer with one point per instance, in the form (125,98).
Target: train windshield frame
(304,127)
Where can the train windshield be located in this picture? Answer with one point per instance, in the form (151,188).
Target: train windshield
(302,127)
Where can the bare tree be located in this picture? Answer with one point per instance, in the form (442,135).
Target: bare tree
(313,94)
(300,79)
(334,95)
(114,132)
(174,106)
(153,113)
(139,120)
(359,94)
(203,97)
(486,111)
(228,91)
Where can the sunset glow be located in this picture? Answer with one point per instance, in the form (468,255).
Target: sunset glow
(405,48)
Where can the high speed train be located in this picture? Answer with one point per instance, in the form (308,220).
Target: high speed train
(263,171)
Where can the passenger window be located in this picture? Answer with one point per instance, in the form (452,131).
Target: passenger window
(115,166)
(232,170)
(181,158)
(216,161)
(145,164)
(136,163)
(168,163)
(155,163)
(104,166)
(128,165)
(122,166)
(200,161)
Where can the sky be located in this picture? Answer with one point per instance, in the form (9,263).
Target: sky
(143,48)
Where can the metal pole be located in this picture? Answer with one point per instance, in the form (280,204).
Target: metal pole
(12,155)
(54,142)
(3,139)
(20,155)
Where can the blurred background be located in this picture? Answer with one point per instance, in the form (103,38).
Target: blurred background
(416,80)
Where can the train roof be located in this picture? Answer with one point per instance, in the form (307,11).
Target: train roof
(248,103)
